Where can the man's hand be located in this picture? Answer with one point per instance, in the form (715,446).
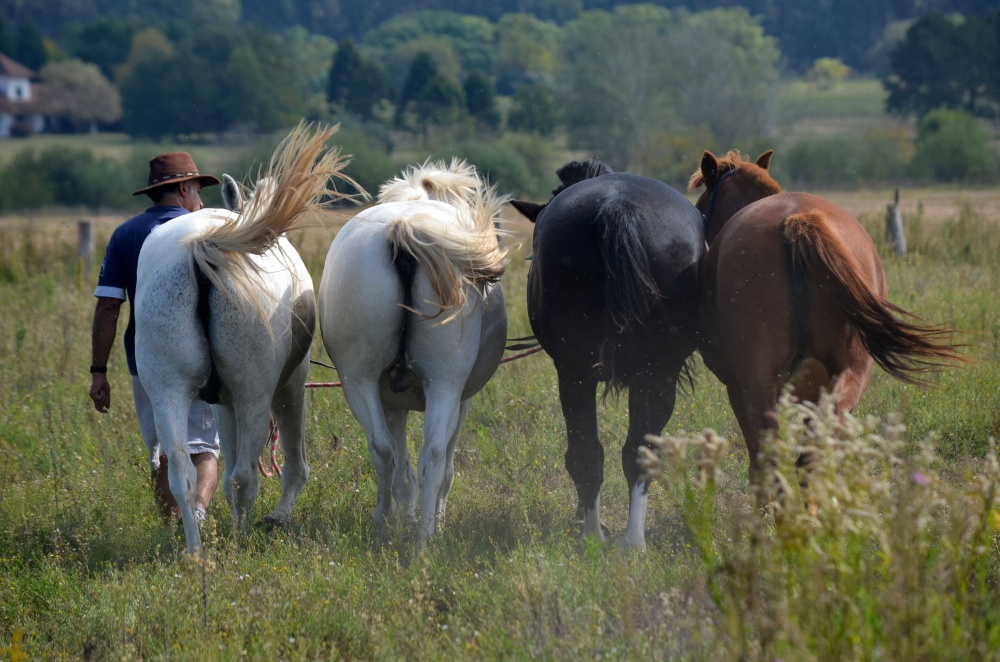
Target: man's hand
(100,392)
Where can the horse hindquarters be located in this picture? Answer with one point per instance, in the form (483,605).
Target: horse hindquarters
(361,321)
(750,337)
(442,356)
(173,363)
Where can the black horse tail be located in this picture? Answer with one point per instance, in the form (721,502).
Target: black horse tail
(630,290)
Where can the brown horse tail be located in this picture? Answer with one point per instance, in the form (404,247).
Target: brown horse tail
(902,344)
(630,290)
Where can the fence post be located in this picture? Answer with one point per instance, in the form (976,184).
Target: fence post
(894,227)
(85,245)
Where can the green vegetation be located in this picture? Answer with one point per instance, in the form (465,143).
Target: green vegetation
(87,571)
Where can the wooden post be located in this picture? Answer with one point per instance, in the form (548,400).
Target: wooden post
(85,245)
(894,227)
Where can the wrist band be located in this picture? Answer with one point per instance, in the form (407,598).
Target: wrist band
(100,369)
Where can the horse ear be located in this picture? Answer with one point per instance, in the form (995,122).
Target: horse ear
(530,210)
(231,196)
(709,168)
(764,160)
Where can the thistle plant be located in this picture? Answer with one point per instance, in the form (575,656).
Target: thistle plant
(863,548)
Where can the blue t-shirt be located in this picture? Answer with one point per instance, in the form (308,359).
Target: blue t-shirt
(121,261)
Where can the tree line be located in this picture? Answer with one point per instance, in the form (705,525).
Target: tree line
(645,86)
(854,31)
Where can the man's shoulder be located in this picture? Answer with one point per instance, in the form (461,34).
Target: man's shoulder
(142,224)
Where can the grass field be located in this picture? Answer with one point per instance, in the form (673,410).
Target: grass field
(881,570)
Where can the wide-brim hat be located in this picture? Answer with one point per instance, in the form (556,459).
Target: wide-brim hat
(173,168)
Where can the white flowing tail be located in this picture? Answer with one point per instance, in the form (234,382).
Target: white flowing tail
(455,255)
(301,175)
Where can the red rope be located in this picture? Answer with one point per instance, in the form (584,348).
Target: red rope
(533,350)
(272,439)
(273,428)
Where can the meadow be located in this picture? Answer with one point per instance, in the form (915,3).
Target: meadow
(897,558)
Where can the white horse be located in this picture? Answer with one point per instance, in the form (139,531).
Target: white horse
(225,311)
(413,315)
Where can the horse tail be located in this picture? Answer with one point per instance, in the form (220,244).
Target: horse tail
(300,175)
(456,256)
(630,290)
(454,184)
(902,344)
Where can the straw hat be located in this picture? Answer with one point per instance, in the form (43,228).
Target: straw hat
(173,168)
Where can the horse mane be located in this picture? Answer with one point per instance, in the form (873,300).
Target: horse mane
(455,257)
(300,177)
(757,179)
(577,171)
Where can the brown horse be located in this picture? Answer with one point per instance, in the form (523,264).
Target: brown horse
(793,294)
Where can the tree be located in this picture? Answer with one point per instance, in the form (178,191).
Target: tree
(481,99)
(80,95)
(6,40)
(471,37)
(826,72)
(368,88)
(533,109)
(105,43)
(952,147)
(356,84)
(640,73)
(428,98)
(422,70)
(943,62)
(526,48)
(29,47)
(343,72)
(219,78)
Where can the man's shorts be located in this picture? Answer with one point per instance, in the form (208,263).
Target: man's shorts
(203,436)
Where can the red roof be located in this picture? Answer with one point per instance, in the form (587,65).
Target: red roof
(13,69)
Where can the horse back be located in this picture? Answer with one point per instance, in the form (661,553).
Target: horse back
(615,272)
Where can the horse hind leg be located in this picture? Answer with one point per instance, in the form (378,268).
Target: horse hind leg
(442,423)
(171,417)
(449,469)
(404,481)
(289,407)
(650,406)
(225,422)
(363,398)
(584,452)
(252,435)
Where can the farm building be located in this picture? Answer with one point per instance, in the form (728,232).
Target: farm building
(21,100)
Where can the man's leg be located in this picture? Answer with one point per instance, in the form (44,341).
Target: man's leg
(203,444)
(207,466)
(164,497)
(165,501)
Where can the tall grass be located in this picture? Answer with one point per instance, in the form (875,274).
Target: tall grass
(86,570)
(869,552)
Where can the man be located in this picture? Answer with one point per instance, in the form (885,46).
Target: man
(174,186)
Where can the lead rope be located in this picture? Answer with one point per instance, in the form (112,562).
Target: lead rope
(530,347)
(273,437)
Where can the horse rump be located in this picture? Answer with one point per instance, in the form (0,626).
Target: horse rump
(902,344)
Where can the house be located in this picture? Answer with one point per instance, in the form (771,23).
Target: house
(20,100)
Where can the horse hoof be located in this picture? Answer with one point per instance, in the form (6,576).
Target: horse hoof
(270,523)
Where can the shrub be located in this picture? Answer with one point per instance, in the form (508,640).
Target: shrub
(876,157)
(953,147)
(71,177)
(500,164)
